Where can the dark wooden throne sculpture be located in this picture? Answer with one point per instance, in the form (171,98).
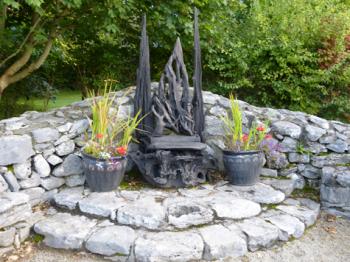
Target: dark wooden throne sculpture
(171,150)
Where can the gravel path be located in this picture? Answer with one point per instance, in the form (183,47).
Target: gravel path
(328,240)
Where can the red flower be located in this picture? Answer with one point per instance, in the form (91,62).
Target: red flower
(268,136)
(121,150)
(260,128)
(99,136)
(245,138)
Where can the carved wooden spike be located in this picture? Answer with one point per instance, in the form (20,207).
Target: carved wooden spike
(198,115)
(175,101)
(143,96)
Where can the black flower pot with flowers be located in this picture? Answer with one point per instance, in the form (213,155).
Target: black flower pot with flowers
(243,157)
(105,152)
(103,175)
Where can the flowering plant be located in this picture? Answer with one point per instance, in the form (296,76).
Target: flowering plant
(236,139)
(110,136)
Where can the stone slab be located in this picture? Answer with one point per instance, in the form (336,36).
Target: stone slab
(65,231)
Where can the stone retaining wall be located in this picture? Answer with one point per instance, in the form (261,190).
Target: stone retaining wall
(40,152)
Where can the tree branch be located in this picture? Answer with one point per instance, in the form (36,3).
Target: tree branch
(35,65)
(29,35)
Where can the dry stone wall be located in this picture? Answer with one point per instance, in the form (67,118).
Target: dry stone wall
(40,152)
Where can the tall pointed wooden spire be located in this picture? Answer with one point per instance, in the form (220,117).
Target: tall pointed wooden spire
(143,97)
(198,114)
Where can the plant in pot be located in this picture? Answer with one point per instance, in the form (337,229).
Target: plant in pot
(104,155)
(243,156)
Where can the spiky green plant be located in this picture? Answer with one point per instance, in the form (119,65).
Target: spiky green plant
(110,135)
(236,140)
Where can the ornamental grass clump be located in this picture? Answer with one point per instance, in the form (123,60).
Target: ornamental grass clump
(110,135)
(236,139)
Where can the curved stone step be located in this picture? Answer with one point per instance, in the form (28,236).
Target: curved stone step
(204,223)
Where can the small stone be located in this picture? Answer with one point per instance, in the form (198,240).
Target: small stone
(221,243)
(268,172)
(22,171)
(15,149)
(323,123)
(39,148)
(54,160)
(145,212)
(65,231)
(218,111)
(188,213)
(339,146)
(288,145)
(315,148)
(290,170)
(214,126)
(101,204)
(3,184)
(52,182)
(210,98)
(298,158)
(72,165)
(337,196)
(343,178)
(284,185)
(313,133)
(331,160)
(11,181)
(327,139)
(299,181)
(7,237)
(35,195)
(41,166)
(33,181)
(65,148)
(286,128)
(340,127)
(69,198)
(289,226)
(75,180)
(234,208)
(306,215)
(46,134)
(64,128)
(329,176)
(261,234)
(14,208)
(169,246)
(111,240)
(79,127)
(261,193)
(61,140)
(311,172)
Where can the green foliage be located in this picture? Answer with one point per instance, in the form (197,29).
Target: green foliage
(269,53)
(236,140)
(283,54)
(110,135)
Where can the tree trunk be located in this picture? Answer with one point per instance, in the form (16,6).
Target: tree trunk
(3,16)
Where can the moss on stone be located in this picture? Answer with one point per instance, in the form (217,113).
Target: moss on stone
(307,192)
(37,238)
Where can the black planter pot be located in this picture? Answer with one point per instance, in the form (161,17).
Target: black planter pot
(243,168)
(103,175)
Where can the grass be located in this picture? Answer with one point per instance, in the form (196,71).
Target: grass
(63,98)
